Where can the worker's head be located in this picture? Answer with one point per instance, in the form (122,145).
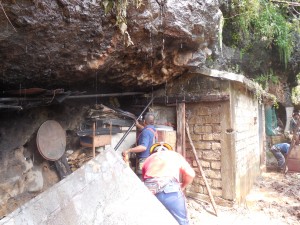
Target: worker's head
(149,118)
(160,146)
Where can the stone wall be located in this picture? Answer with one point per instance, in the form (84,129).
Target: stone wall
(205,130)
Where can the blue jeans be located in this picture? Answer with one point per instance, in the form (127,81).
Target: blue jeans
(279,157)
(174,201)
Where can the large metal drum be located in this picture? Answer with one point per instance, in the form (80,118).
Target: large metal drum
(51,140)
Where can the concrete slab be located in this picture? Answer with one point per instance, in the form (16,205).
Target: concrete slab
(103,191)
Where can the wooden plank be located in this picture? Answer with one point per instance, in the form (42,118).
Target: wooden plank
(180,139)
(62,167)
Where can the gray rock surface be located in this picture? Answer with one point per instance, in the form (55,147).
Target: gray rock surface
(73,44)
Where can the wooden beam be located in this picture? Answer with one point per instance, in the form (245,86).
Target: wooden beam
(93,138)
(180,134)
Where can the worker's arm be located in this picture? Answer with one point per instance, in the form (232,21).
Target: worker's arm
(187,173)
(139,148)
(187,179)
(138,125)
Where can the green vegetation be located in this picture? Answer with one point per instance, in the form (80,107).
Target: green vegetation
(265,79)
(119,7)
(270,22)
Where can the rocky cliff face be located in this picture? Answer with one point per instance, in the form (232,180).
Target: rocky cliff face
(73,44)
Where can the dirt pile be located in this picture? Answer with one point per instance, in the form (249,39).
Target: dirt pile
(275,199)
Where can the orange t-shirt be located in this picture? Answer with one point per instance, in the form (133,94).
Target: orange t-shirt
(166,164)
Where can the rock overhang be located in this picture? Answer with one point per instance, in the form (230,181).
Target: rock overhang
(69,45)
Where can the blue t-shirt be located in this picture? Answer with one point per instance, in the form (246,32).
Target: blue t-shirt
(284,147)
(147,139)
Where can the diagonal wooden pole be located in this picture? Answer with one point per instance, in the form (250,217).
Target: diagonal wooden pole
(201,170)
(93,138)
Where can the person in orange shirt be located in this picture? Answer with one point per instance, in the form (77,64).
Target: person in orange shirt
(161,173)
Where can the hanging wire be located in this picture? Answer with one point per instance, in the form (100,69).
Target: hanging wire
(152,78)
(7,17)
(166,93)
(96,87)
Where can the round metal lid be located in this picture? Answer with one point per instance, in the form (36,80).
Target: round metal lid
(51,140)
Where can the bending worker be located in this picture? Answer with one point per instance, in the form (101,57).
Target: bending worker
(161,173)
(280,151)
(145,140)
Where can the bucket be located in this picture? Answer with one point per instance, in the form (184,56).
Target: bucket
(166,134)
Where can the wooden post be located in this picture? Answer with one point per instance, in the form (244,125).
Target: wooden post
(201,170)
(294,141)
(180,137)
(93,139)
(110,130)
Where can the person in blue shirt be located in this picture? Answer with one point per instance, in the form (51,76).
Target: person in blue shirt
(146,138)
(279,151)
(294,127)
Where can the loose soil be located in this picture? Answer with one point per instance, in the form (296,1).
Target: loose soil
(274,199)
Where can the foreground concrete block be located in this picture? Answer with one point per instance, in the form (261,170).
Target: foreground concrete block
(103,191)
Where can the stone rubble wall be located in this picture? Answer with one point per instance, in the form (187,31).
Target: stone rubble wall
(205,132)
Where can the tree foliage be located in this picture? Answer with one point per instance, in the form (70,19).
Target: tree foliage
(273,23)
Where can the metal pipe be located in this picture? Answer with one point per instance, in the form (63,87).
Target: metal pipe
(130,128)
(11,99)
(105,95)
(2,106)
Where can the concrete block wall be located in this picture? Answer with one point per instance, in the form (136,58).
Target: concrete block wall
(247,147)
(205,128)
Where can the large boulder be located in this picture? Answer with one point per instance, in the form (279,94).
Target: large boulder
(74,44)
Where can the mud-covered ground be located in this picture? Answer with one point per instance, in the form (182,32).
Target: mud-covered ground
(275,199)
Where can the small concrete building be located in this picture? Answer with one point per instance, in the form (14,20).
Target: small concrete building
(225,116)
